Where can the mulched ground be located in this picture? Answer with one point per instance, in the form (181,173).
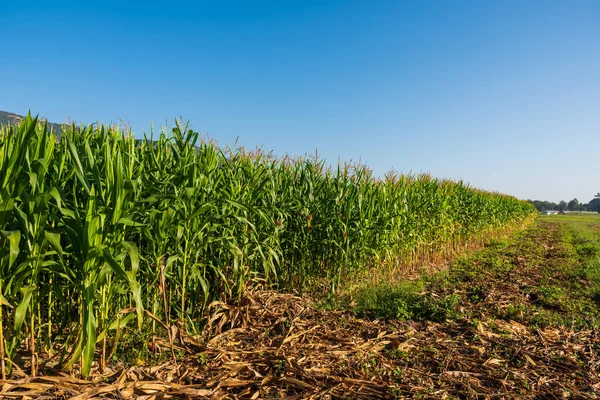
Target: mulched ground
(275,345)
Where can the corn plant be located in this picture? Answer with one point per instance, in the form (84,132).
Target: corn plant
(97,226)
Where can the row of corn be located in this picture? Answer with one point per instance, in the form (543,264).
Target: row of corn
(99,230)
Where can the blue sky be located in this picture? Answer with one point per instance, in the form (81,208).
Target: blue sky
(503,94)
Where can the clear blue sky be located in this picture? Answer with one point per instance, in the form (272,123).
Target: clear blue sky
(503,94)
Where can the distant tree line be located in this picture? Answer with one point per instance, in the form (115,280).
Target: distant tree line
(573,205)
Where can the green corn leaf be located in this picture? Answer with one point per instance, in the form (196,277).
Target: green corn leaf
(120,322)
(129,222)
(78,167)
(89,332)
(14,239)
(21,309)
(54,240)
(4,301)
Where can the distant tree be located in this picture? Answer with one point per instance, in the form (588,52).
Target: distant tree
(562,206)
(594,204)
(536,204)
(541,205)
(573,205)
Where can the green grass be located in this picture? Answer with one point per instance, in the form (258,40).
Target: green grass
(582,232)
(548,275)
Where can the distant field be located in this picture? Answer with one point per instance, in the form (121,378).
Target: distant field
(573,218)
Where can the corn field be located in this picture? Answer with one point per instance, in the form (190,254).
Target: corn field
(100,230)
